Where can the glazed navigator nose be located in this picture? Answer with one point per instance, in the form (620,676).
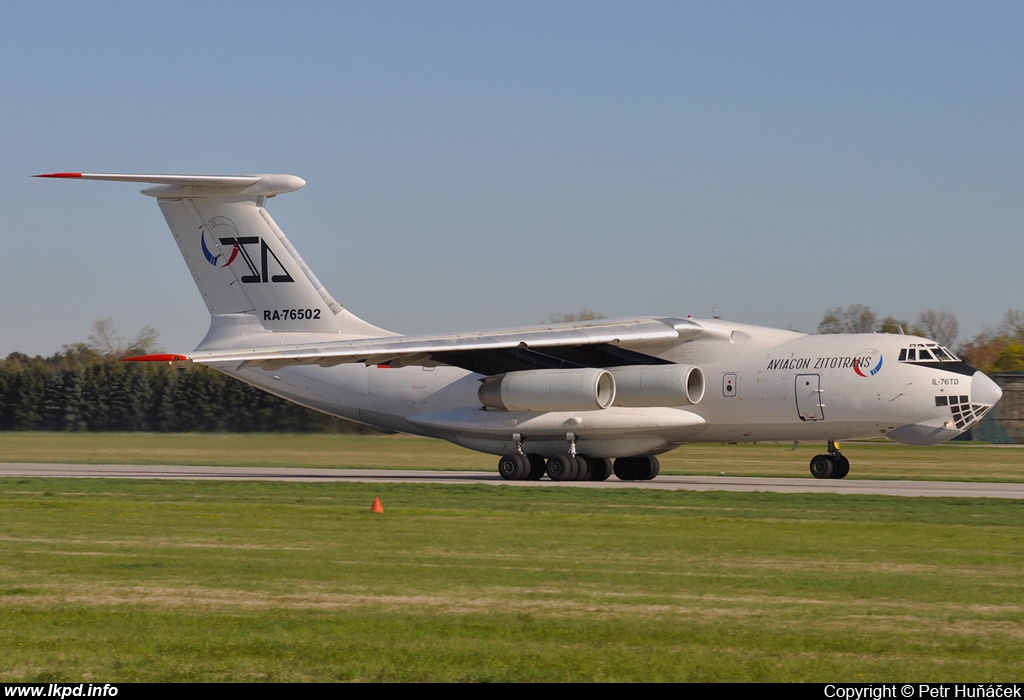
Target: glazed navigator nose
(984,390)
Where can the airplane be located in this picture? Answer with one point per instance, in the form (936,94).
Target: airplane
(575,401)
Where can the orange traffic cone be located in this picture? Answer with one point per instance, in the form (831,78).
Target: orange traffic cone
(377,507)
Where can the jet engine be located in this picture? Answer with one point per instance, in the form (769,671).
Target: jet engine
(549,390)
(658,385)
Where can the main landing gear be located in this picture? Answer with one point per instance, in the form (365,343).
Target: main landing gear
(571,466)
(566,467)
(520,467)
(831,466)
(637,468)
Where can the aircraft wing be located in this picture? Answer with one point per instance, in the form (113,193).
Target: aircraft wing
(602,343)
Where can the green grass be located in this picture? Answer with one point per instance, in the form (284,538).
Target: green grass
(870,460)
(122,580)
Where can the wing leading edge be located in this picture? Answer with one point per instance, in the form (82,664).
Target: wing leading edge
(578,344)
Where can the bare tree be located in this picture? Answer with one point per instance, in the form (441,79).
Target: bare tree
(891,324)
(106,340)
(938,325)
(144,342)
(855,318)
(1012,325)
(104,337)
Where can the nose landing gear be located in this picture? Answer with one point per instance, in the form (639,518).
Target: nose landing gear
(833,465)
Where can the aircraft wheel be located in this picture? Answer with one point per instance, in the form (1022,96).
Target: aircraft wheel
(600,468)
(562,468)
(513,467)
(652,468)
(582,468)
(626,469)
(822,467)
(537,467)
(842,466)
(622,469)
(645,468)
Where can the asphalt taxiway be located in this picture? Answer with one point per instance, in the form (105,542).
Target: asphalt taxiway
(670,483)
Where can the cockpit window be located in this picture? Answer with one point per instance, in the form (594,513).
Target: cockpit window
(927,352)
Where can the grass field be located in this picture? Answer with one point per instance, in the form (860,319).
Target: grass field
(105,580)
(870,460)
(121,580)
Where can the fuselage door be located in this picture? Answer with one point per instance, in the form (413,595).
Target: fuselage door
(810,402)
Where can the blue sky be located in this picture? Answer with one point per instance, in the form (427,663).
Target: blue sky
(487,164)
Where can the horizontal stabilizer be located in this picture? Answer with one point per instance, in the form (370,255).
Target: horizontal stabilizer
(198,185)
(163,357)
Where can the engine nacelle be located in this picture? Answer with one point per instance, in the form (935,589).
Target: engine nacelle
(658,385)
(549,390)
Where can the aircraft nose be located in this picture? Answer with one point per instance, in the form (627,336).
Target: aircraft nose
(984,390)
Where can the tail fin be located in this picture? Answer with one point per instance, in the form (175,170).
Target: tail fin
(241,261)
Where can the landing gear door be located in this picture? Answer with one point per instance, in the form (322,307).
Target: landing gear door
(810,401)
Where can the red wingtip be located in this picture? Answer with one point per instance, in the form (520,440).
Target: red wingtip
(156,358)
(59,175)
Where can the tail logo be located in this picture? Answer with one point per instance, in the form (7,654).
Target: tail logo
(211,258)
(264,266)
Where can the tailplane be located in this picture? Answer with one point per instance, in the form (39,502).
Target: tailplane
(247,271)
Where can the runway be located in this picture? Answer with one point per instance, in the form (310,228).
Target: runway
(670,483)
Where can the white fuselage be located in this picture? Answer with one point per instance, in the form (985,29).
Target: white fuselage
(760,384)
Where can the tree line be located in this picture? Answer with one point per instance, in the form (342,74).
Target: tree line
(997,349)
(85,387)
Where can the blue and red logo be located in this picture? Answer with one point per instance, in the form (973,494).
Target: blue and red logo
(865,359)
(211,258)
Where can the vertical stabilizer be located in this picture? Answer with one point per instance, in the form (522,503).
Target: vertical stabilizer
(241,261)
